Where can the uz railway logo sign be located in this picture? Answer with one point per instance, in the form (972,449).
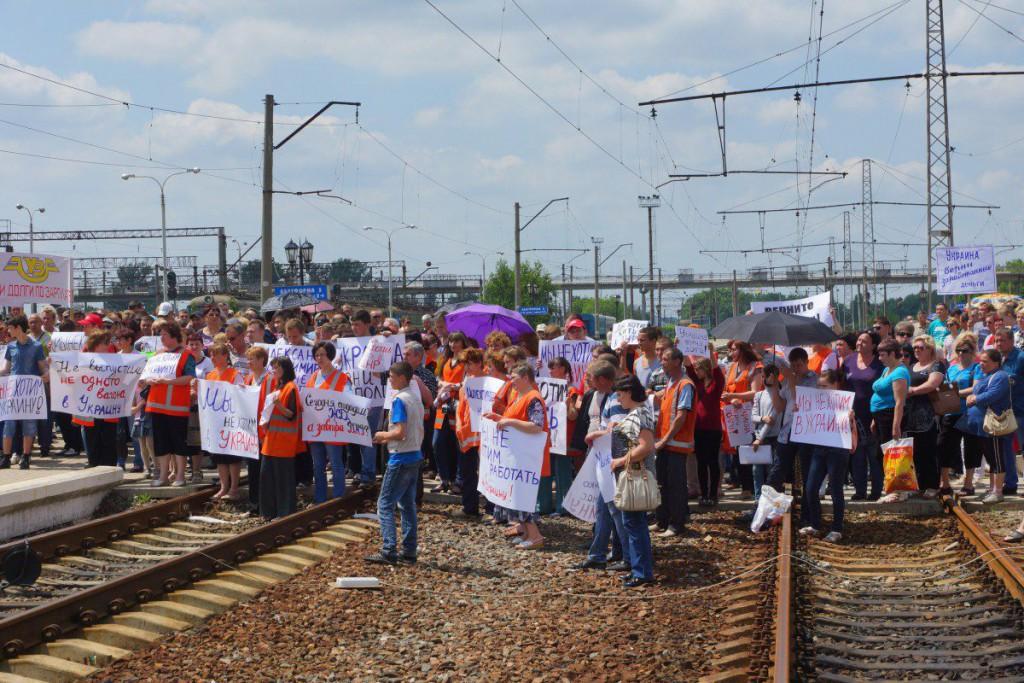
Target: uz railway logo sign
(31,269)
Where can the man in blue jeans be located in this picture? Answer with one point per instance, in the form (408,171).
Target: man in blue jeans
(23,356)
(1013,365)
(404,437)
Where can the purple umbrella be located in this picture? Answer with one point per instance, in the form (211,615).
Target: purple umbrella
(479,320)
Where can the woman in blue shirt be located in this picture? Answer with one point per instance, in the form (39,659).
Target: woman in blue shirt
(889,394)
(961,374)
(992,390)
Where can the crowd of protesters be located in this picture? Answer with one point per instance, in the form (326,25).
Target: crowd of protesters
(662,410)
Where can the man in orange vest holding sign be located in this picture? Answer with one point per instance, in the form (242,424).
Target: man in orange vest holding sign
(676,421)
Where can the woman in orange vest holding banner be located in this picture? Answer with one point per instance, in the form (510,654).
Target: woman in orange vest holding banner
(469,441)
(677,421)
(283,441)
(100,435)
(446,445)
(229,467)
(258,377)
(527,413)
(739,389)
(169,402)
(327,377)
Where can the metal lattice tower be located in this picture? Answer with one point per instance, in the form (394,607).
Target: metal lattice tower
(867,221)
(847,257)
(940,188)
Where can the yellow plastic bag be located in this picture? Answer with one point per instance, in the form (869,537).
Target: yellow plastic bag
(898,465)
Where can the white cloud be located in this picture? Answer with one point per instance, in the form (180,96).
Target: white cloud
(429,116)
(502,164)
(22,87)
(148,42)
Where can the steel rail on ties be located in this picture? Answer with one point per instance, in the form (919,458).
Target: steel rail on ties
(1004,566)
(783,655)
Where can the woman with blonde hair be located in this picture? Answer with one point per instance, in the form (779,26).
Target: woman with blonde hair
(927,373)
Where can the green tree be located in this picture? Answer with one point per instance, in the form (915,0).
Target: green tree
(341,270)
(135,275)
(250,274)
(609,305)
(535,286)
(1015,285)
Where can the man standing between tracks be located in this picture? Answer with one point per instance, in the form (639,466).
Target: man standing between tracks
(23,356)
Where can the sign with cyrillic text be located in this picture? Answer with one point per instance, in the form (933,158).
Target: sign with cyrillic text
(554,392)
(584,495)
(227,418)
(577,352)
(301,357)
(822,418)
(738,423)
(335,417)
(816,306)
(377,354)
(34,278)
(510,464)
(480,392)
(364,383)
(625,332)
(150,344)
(66,341)
(601,450)
(965,270)
(692,341)
(161,366)
(94,385)
(22,398)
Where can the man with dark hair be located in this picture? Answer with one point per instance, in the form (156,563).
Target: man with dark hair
(361,323)
(23,356)
(647,360)
(781,469)
(403,438)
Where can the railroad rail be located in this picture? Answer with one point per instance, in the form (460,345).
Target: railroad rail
(141,557)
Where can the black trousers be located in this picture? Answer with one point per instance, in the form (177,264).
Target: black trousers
(926,460)
(277,487)
(470,461)
(303,468)
(102,438)
(674,511)
(706,445)
(71,433)
(253,473)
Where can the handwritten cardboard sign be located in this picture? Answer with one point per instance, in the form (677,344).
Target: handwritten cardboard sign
(378,354)
(480,392)
(94,385)
(965,270)
(227,418)
(625,332)
(510,464)
(554,392)
(577,352)
(367,384)
(822,418)
(22,398)
(738,423)
(335,417)
(66,341)
(692,341)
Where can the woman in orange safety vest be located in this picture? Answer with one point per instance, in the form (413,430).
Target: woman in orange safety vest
(169,401)
(469,441)
(327,377)
(229,467)
(282,442)
(446,446)
(260,377)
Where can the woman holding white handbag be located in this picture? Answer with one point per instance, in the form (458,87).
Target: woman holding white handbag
(990,416)
(636,490)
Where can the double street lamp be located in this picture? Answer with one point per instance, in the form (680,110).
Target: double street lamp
(389,233)
(31,226)
(163,219)
(302,255)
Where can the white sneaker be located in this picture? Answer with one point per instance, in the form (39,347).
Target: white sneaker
(808,531)
(992,498)
(668,533)
(833,537)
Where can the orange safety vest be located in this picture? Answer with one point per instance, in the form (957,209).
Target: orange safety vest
(818,359)
(519,410)
(505,397)
(682,440)
(228,375)
(451,375)
(171,399)
(336,381)
(283,439)
(735,383)
(464,425)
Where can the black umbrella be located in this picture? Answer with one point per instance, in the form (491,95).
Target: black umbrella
(775,327)
(286,300)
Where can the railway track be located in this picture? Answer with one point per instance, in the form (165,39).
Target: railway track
(111,585)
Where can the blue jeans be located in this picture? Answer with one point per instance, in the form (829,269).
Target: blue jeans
(608,518)
(783,456)
(28,428)
(641,559)
(1011,458)
(833,462)
(865,463)
(398,488)
(369,453)
(761,471)
(320,452)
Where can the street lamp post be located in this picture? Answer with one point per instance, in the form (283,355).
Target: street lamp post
(300,254)
(389,233)
(31,226)
(483,269)
(163,219)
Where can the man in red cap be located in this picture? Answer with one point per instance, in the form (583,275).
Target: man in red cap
(91,322)
(576,330)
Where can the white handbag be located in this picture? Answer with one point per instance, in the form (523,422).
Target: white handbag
(636,490)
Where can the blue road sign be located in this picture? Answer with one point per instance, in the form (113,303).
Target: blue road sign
(533,310)
(318,292)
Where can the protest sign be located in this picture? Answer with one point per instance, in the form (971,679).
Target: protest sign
(822,417)
(378,354)
(738,423)
(510,463)
(390,393)
(34,278)
(554,392)
(227,418)
(480,393)
(577,352)
(749,456)
(816,306)
(626,331)
(335,416)
(94,385)
(584,495)
(601,449)
(965,270)
(367,384)
(161,366)
(692,341)
(300,356)
(147,344)
(66,341)
(22,398)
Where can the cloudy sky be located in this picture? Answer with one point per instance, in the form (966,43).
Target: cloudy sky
(448,139)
